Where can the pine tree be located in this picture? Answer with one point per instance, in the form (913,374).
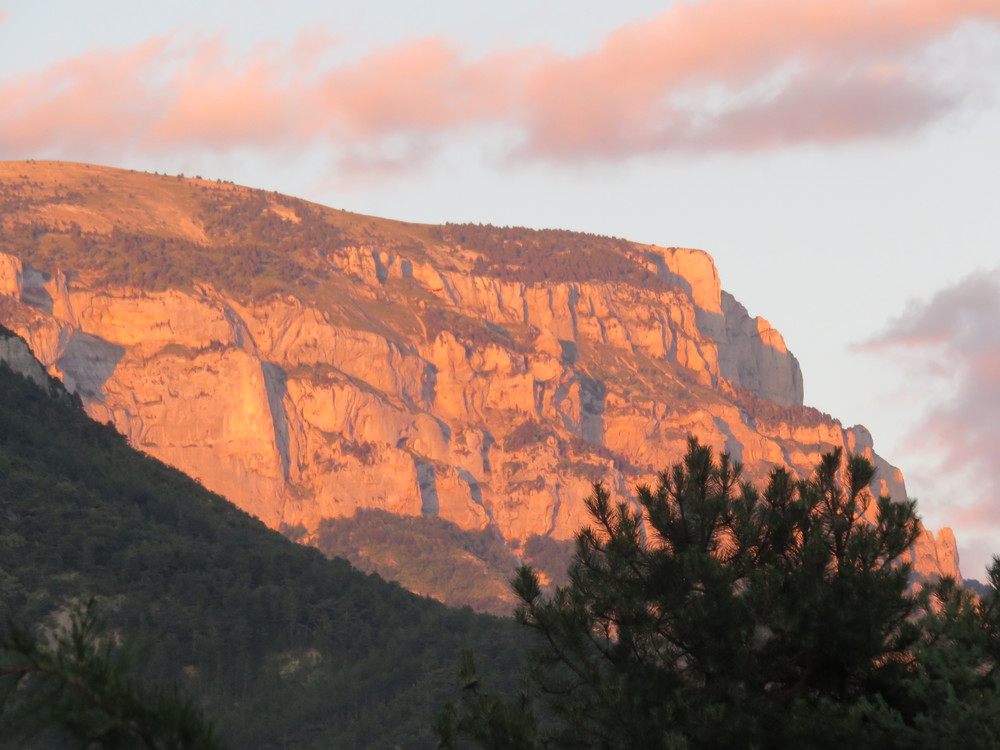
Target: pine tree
(710,614)
(79,684)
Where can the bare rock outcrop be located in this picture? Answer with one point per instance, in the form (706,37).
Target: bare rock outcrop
(14,353)
(407,378)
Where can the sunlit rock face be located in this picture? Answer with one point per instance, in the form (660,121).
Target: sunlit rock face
(486,376)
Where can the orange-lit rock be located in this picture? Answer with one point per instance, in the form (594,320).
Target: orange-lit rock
(406,380)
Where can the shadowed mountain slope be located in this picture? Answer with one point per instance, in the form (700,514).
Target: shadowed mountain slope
(287,649)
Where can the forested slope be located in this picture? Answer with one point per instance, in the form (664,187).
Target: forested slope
(284,647)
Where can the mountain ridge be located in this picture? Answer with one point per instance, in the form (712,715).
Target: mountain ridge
(307,362)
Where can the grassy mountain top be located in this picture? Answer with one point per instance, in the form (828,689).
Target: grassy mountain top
(159,231)
(100,199)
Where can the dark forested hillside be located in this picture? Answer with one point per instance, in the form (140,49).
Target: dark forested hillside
(284,647)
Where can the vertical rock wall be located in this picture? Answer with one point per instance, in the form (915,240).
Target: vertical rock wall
(505,417)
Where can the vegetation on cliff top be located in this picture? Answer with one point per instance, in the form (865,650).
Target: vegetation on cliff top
(536,256)
(250,243)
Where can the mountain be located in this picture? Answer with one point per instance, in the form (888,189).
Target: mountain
(461,385)
(285,648)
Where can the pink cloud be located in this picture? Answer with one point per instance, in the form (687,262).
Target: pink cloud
(955,335)
(845,70)
(211,101)
(712,75)
(88,102)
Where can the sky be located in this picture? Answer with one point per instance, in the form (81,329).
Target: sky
(839,159)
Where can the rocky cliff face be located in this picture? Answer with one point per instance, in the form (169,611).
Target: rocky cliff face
(16,355)
(419,370)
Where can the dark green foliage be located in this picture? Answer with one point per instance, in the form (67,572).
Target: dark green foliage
(952,697)
(719,616)
(283,647)
(78,685)
(550,557)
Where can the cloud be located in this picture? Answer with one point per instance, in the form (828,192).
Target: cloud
(739,76)
(707,76)
(954,338)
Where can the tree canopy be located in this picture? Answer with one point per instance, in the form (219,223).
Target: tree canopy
(79,685)
(712,614)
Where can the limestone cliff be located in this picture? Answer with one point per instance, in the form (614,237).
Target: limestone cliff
(15,354)
(306,362)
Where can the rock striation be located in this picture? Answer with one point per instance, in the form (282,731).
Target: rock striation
(413,369)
